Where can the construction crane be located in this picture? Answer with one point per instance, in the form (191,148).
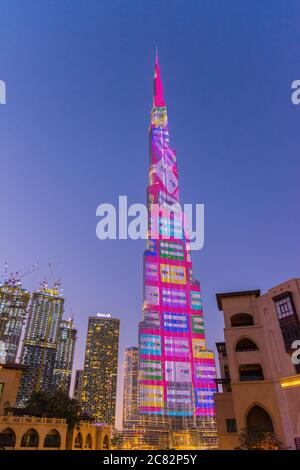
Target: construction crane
(56,282)
(14,279)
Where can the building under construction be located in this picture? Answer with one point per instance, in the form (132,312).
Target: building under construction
(13,305)
(41,341)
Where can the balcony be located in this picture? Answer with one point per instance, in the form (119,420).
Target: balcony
(225,382)
(221,347)
(251,373)
(31,419)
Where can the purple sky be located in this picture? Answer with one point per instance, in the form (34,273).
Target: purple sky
(73,135)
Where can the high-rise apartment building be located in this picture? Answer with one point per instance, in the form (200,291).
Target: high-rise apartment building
(13,305)
(176,383)
(77,391)
(63,366)
(99,385)
(130,395)
(40,341)
(260,365)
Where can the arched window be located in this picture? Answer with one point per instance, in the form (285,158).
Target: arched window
(52,439)
(78,441)
(30,439)
(106,442)
(250,372)
(259,420)
(89,442)
(7,438)
(241,319)
(245,344)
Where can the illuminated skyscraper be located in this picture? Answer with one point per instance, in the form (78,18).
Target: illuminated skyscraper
(62,372)
(40,341)
(130,397)
(78,384)
(99,385)
(13,304)
(177,372)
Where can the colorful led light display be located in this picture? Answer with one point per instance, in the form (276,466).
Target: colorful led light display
(176,371)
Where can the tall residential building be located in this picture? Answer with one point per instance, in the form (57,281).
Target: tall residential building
(77,391)
(130,396)
(260,365)
(99,385)
(63,366)
(177,372)
(13,304)
(40,341)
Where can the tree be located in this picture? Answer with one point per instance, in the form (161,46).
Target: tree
(62,406)
(53,405)
(255,439)
(37,405)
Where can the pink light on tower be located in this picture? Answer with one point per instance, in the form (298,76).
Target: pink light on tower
(158,89)
(176,371)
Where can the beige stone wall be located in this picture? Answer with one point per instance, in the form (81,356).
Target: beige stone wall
(225,410)
(10,378)
(41,425)
(93,436)
(282,404)
(89,436)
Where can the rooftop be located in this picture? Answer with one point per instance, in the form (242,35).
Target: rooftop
(31,419)
(223,295)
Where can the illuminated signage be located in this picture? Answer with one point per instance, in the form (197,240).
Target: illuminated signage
(177,347)
(152,317)
(172,274)
(175,322)
(150,344)
(171,250)
(197,324)
(150,370)
(151,295)
(179,400)
(152,396)
(198,347)
(174,298)
(196,303)
(151,271)
(290,382)
(205,371)
(176,372)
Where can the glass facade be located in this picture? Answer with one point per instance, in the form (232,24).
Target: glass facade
(40,342)
(130,396)
(13,305)
(78,384)
(62,372)
(99,385)
(177,372)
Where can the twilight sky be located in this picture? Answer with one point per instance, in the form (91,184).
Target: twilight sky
(73,135)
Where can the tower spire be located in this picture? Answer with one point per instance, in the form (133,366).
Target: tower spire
(176,372)
(158,100)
